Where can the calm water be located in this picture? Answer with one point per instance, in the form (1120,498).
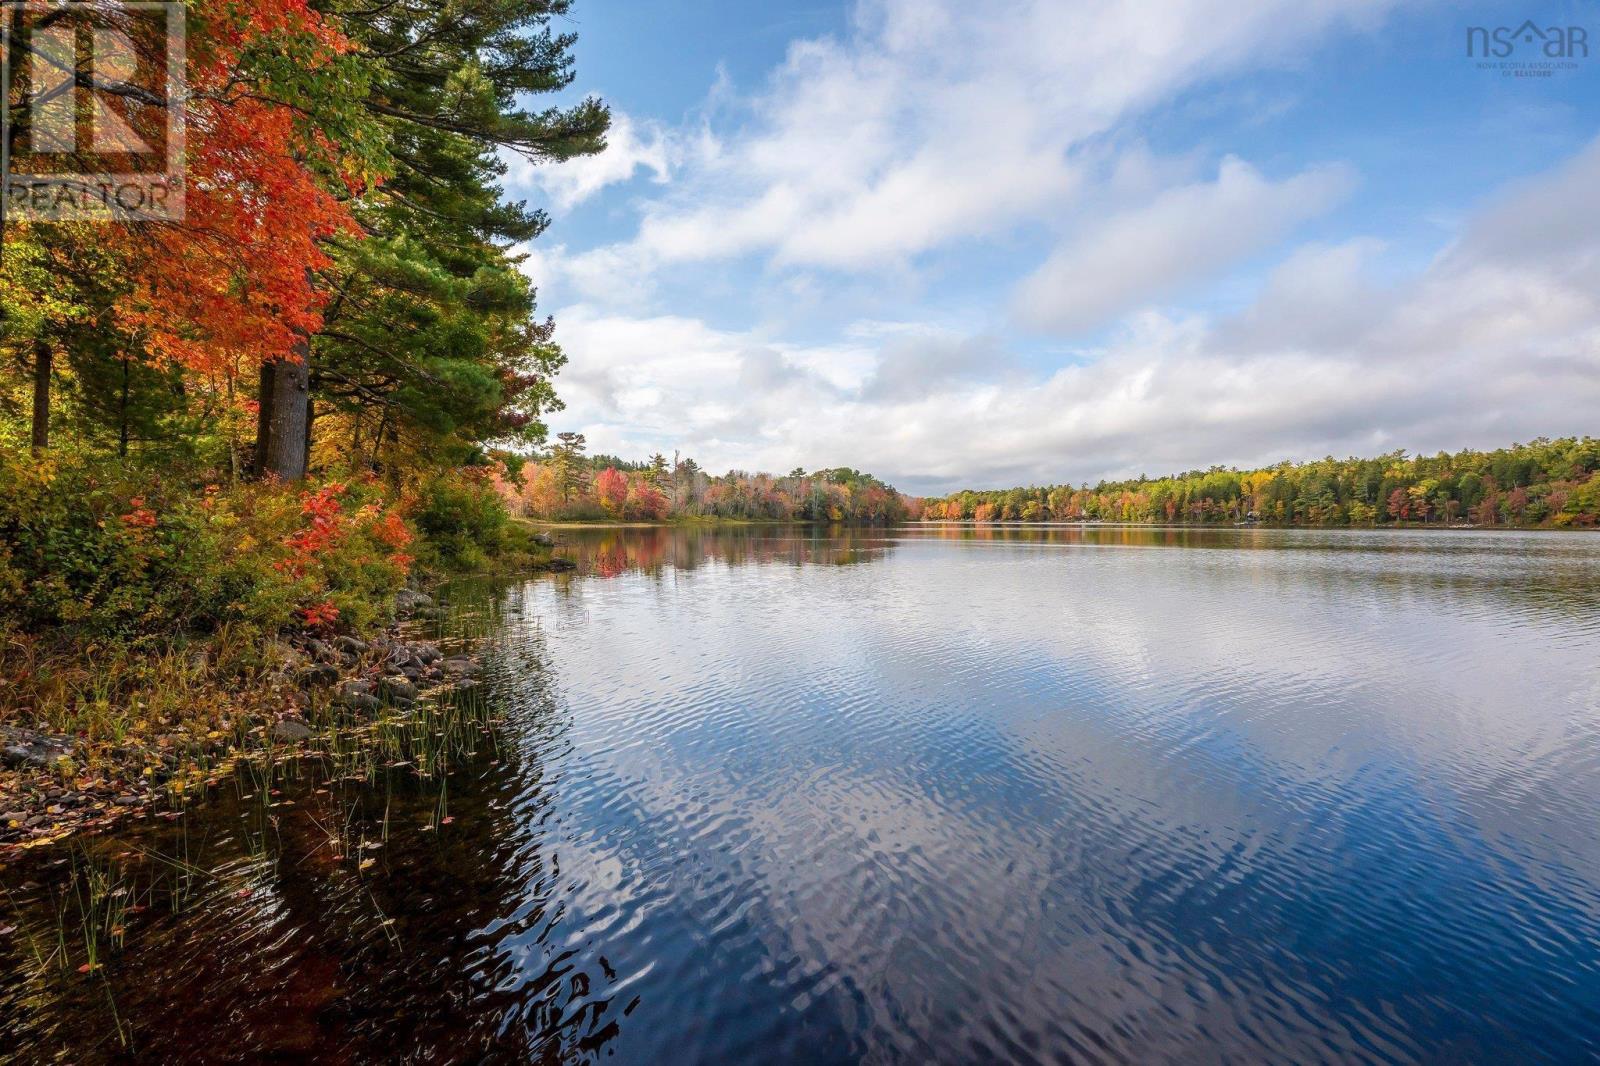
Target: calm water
(925,795)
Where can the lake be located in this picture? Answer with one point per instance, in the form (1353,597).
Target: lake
(919,795)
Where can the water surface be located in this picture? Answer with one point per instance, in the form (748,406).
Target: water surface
(1103,795)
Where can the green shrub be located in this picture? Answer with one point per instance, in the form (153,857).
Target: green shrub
(462,520)
(112,549)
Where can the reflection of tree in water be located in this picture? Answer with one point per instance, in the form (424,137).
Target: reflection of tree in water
(611,552)
(283,948)
(1540,574)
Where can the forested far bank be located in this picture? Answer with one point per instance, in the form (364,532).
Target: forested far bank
(1549,483)
(566,484)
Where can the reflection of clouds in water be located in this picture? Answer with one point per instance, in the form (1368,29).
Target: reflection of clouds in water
(986,789)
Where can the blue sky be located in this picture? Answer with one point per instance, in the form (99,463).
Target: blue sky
(1032,240)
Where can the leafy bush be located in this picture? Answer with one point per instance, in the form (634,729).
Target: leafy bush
(113,550)
(463,522)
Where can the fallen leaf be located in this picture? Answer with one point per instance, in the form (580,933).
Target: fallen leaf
(365,863)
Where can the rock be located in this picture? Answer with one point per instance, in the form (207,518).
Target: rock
(319,676)
(426,654)
(544,540)
(360,701)
(355,688)
(397,688)
(291,730)
(287,654)
(459,666)
(320,650)
(409,601)
(411,673)
(350,645)
(28,747)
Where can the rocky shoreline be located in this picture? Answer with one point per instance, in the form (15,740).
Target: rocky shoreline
(44,795)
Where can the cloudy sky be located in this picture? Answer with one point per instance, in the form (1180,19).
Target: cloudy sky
(1025,241)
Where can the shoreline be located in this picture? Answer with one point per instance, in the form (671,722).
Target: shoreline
(1388,527)
(55,785)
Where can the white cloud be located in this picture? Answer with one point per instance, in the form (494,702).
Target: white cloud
(930,122)
(631,146)
(936,120)
(1183,235)
(1497,339)
(936,128)
(606,273)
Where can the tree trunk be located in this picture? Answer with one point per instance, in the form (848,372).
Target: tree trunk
(289,424)
(122,432)
(263,418)
(288,431)
(311,418)
(43,355)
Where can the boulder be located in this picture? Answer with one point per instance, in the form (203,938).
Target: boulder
(397,688)
(319,676)
(291,730)
(409,601)
(360,701)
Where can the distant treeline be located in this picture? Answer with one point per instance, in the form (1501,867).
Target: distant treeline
(566,484)
(1541,483)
